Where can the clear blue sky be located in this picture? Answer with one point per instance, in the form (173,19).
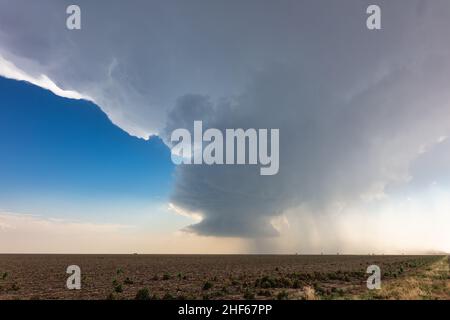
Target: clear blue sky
(56,150)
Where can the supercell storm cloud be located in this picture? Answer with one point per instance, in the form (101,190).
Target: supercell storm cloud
(363,115)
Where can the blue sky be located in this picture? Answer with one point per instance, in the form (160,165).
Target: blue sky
(57,150)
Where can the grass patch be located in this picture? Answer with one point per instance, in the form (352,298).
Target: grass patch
(282,295)
(118,288)
(142,294)
(207,285)
(249,295)
(168,296)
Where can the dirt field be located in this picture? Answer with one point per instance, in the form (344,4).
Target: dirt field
(223,277)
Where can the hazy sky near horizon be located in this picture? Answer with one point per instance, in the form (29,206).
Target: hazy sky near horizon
(364,119)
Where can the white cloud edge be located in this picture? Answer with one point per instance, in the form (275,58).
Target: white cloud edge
(10,71)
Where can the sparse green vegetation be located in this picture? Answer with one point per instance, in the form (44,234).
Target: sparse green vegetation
(233,277)
(282,295)
(234,282)
(249,295)
(118,288)
(168,296)
(111,296)
(269,282)
(143,294)
(264,293)
(15,287)
(207,285)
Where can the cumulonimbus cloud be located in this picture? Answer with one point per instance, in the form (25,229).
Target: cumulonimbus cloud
(350,132)
(331,151)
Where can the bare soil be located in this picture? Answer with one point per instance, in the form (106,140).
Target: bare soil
(221,276)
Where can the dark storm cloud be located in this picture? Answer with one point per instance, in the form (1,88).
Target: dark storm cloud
(351,119)
(330,150)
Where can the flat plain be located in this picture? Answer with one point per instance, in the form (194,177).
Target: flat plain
(224,277)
